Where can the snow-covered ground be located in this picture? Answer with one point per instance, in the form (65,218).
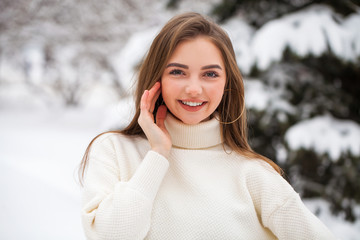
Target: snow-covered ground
(39,152)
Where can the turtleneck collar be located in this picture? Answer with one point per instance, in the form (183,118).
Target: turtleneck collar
(202,135)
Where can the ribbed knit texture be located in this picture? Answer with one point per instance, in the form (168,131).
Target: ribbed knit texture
(199,192)
(192,136)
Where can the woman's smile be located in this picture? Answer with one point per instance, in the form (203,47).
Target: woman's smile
(191,105)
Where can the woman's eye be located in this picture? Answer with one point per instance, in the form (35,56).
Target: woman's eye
(176,72)
(211,74)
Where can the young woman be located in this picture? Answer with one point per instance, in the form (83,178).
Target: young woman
(183,168)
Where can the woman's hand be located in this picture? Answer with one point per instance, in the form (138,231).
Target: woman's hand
(156,133)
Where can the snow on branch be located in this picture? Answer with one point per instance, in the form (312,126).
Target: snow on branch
(314,30)
(325,134)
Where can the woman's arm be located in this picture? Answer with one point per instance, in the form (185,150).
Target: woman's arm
(293,220)
(280,207)
(114,209)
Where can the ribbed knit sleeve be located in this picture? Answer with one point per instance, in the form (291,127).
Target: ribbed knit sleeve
(115,209)
(281,209)
(294,221)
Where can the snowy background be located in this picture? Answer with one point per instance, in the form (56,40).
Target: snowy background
(67,70)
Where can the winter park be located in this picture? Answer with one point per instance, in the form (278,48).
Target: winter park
(67,74)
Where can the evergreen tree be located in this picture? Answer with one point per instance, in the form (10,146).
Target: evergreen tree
(314,86)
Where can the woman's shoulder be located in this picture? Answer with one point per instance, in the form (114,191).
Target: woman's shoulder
(258,172)
(253,165)
(117,137)
(261,178)
(115,140)
(113,148)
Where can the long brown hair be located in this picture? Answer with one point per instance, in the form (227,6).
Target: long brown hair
(231,109)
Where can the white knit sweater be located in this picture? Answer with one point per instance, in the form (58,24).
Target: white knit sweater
(199,192)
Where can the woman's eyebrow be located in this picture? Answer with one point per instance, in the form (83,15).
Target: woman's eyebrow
(211,66)
(177,65)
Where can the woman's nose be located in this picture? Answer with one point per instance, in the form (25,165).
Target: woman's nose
(194,87)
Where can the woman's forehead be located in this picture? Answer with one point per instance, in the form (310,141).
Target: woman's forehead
(197,51)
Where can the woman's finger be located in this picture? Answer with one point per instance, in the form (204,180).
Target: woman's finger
(155,98)
(144,101)
(145,119)
(154,93)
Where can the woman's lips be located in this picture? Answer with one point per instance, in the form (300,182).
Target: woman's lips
(192,106)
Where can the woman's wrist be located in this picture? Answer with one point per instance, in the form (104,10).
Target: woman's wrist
(162,152)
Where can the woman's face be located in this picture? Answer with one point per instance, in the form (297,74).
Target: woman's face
(193,81)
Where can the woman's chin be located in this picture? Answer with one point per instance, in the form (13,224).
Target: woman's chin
(192,120)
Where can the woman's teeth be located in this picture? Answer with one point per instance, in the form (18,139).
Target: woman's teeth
(192,104)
